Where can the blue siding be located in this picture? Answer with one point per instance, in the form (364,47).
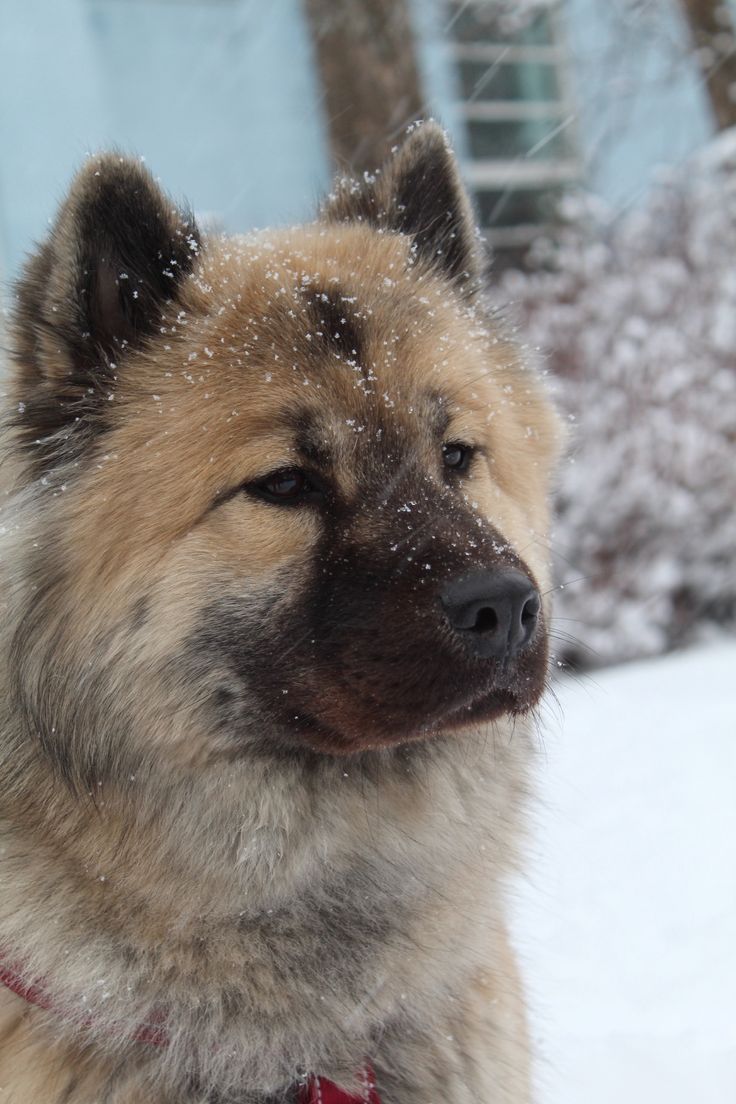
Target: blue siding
(220,97)
(50,112)
(639,95)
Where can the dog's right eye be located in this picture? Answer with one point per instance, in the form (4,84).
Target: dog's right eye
(287,487)
(457,456)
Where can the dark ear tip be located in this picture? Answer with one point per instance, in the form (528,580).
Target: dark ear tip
(426,135)
(424,140)
(109,164)
(111,182)
(109,174)
(119,248)
(428,142)
(419,192)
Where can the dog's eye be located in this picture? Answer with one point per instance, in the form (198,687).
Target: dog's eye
(288,486)
(456,457)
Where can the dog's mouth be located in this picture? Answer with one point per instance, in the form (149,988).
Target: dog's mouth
(376,702)
(488,708)
(364,726)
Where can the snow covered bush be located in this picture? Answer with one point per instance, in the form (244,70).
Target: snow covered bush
(637,322)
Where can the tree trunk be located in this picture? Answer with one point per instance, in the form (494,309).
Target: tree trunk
(370,78)
(714,37)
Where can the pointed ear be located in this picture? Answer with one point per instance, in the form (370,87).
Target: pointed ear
(117,255)
(419,193)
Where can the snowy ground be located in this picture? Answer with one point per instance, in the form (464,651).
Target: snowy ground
(627,926)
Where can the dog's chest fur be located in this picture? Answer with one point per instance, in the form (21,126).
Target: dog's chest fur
(260,972)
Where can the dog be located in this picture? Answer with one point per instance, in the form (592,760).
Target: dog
(274,629)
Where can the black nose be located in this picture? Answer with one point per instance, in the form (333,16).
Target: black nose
(495,612)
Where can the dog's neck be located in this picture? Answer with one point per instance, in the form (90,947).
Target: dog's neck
(200,903)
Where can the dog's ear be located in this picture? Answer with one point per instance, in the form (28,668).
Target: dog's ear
(97,288)
(419,192)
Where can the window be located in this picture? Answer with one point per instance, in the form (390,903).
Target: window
(518,114)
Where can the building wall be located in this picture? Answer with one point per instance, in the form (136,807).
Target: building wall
(222,99)
(219,96)
(638,92)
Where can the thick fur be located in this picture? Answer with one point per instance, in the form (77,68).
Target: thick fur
(251,785)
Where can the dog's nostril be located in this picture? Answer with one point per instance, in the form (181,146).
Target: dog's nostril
(530,612)
(486,620)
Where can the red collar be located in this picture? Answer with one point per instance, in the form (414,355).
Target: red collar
(319,1091)
(315,1091)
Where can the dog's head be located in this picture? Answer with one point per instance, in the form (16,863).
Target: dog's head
(290,488)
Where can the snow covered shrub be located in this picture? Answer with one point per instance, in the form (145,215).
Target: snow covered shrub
(638,325)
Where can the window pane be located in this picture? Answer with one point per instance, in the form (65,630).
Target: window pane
(481,80)
(507,140)
(517,207)
(479,23)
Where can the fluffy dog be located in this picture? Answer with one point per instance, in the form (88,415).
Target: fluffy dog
(272,634)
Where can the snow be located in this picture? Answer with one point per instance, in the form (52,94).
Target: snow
(627,920)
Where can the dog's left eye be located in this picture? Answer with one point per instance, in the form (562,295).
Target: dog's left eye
(288,486)
(456,456)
